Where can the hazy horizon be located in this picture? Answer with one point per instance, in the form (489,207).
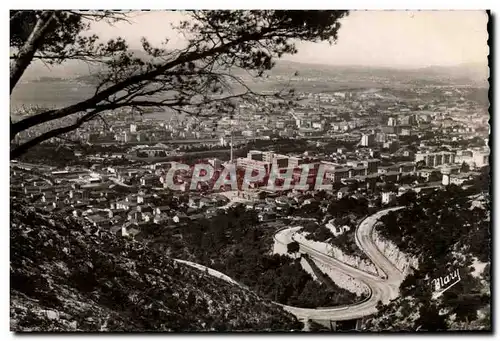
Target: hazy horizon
(397,39)
(366,39)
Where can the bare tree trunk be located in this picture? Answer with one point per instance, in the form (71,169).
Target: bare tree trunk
(27,51)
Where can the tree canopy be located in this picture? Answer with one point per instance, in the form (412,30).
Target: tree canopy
(293,247)
(196,79)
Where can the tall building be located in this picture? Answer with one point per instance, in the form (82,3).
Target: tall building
(268,156)
(374,153)
(247,163)
(392,122)
(380,137)
(255,155)
(465,156)
(388,197)
(408,120)
(480,158)
(406,131)
(280,161)
(222,141)
(446,176)
(435,159)
(372,165)
(367,140)
(216,163)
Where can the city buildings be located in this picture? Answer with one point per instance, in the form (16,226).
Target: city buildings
(362,141)
(434,159)
(367,140)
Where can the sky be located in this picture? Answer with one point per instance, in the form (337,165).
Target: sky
(371,38)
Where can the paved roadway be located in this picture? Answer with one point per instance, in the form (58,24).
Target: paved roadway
(364,240)
(382,288)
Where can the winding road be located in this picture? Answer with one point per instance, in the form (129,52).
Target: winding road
(382,288)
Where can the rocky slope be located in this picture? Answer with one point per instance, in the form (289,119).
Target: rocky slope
(336,253)
(445,234)
(401,260)
(69,277)
(342,280)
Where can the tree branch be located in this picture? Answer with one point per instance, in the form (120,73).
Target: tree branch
(184,80)
(27,51)
(93,101)
(22,148)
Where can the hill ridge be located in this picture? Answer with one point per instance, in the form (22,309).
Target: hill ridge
(70,277)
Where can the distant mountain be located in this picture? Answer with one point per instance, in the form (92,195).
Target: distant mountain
(70,69)
(476,73)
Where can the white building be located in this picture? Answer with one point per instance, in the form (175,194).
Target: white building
(337,231)
(474,158)
(435,159)
(459,178)
(222,141)
(367,140)
(480,158)
(216,163)
(317,125)
(388,197)
(446,176)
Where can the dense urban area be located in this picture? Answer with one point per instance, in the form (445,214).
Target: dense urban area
(420,148)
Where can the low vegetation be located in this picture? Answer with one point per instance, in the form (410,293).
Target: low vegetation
(238,245)
(69,277)
(446,231)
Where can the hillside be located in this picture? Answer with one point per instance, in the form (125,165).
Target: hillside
(69,277)
(446,231)
(238,245)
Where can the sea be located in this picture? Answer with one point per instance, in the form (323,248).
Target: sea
(59,95)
